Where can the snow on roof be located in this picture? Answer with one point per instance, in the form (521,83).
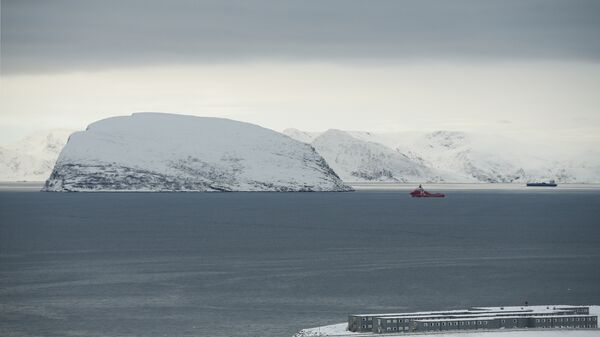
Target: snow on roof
(467,314)
(539,309)
(414,313)
(531,307)
(484,314)
(494,318)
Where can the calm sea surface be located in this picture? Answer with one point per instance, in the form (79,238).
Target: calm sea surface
(269,264)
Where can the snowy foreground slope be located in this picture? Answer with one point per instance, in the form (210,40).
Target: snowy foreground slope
(32,158)
(339,330)
(166,152)
(446,156)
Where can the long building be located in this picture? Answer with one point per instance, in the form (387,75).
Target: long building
(476,318)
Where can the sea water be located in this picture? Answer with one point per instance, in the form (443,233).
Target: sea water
(269,264)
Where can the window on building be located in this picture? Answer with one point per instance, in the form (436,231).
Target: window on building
(425,324)
(364,318)
(485,322)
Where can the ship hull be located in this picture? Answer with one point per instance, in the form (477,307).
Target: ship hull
(420,193)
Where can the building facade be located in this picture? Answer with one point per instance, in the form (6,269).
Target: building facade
(537,317)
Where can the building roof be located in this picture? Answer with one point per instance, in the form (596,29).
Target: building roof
(494,318)
(493,312)
(474,310)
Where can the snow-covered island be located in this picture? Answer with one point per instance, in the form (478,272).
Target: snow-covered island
(168,152)
(553,321)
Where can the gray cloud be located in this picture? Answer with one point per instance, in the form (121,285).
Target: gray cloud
(61,35)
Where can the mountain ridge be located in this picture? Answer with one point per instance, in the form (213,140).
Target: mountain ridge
(456,156)
(440,156)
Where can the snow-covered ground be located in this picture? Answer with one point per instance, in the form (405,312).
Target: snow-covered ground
(168,152)
(339,330)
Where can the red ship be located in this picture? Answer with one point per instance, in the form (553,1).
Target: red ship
(421,193)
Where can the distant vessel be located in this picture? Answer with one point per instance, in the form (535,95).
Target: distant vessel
(543,184)
(421,193)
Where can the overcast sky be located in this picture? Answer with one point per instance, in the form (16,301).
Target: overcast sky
(525,68)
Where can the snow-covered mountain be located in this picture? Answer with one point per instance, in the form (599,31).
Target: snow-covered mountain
(354,159)
(579,167)
(166,152)
(32,158)
(493,158)
(303,136)
(485,158)
(448,156)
